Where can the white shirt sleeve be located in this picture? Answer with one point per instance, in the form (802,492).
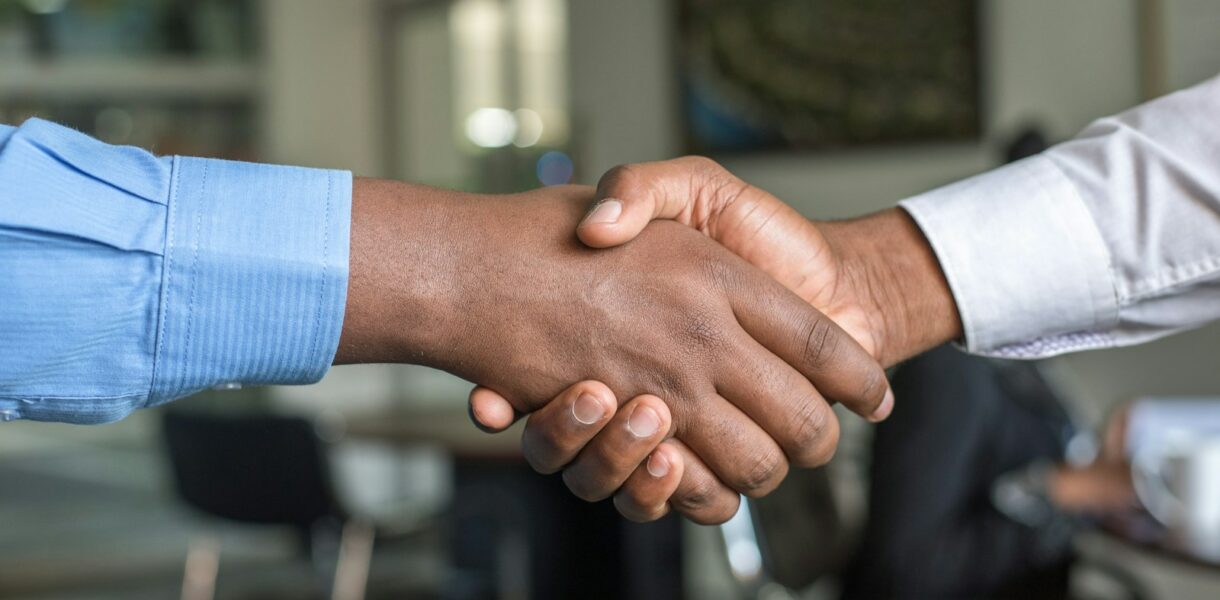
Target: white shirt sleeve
(1109,239)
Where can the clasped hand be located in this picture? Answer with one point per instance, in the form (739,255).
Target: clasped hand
(677,371)
(745,417)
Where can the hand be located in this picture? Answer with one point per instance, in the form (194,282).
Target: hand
(1105,485)
(496,290)
(572,425)
(1099,488)
(875,276)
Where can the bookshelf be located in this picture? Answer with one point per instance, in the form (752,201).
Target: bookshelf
(172,77)
(119,78)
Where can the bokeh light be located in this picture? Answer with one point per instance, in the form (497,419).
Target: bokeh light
(491,127)
(555,168)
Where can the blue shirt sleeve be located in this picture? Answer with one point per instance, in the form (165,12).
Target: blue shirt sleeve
(128,280)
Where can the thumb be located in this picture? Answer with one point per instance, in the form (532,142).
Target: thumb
(490,411)
(631,196)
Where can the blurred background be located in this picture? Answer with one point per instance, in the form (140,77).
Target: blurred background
(373,483)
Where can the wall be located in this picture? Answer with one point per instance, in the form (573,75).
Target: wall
(322,93)
(1037,66)
(1192,43)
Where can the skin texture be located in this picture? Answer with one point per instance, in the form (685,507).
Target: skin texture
(876,276)
(496,289)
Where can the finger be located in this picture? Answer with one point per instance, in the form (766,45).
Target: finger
(741,454)
(556,433)
(781,401)
(700,193)
(622,446)
(645,495)
(701,496)
(811,342)
(630,196)
(490,411)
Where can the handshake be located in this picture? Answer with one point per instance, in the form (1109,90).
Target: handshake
(672,365)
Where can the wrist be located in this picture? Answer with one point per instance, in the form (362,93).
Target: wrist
(401,297)
(891,270)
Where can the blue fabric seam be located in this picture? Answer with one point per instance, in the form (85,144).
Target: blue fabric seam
(41,397)
(193,282)
(317,333)
(166,275)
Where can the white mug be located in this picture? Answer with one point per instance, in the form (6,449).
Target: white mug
(1178,481)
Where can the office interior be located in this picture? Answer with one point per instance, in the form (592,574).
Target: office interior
(501,96)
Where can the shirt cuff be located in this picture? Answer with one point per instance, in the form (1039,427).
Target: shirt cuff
(255,275)
(1022,255)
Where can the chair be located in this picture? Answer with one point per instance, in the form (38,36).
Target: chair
(268,470)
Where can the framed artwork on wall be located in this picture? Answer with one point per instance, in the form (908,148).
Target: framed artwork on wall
(775,75)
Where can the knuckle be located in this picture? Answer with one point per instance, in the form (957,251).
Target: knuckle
(823,449)
(619,181)
(699,497)
(718,186)
(582,487)
(703,330)
(719,271)
(821,343)
(544,446)
(541,464)
(765,473)
(718,514)
(634,507)
(872,387)
(809,428)
(629,509)
(725,189)
(541,450)
(675,386)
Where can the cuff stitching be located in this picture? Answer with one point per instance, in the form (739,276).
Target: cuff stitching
(167,274)
(317,332)
(190,305)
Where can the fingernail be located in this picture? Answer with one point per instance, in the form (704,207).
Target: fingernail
(606,211)
(883,411)
(587,409)
(644,422)
(658,466)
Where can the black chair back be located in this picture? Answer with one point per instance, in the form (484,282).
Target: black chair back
(254,469)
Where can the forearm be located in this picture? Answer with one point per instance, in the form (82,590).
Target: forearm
(893,271)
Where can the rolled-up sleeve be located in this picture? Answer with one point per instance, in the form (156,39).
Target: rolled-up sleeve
(128,280)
